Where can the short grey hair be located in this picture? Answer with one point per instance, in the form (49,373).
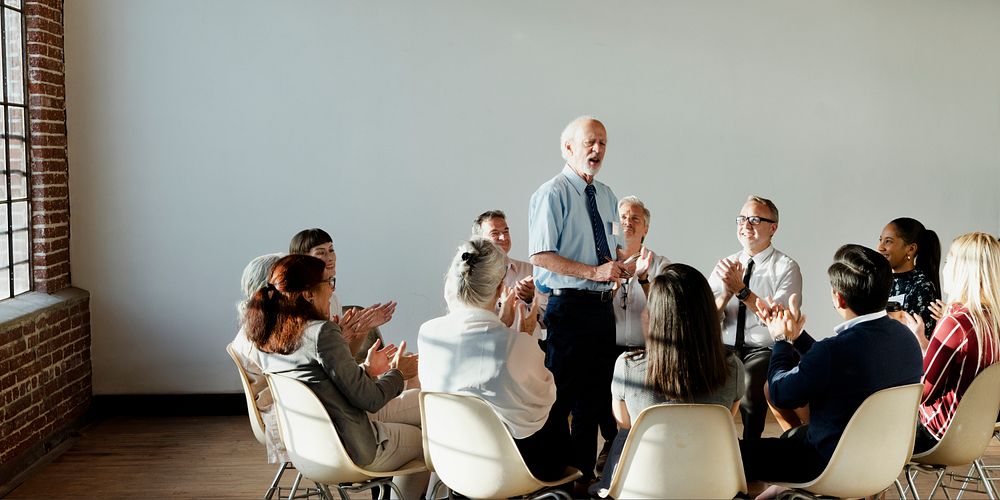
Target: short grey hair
(255,277)
(477,225)
(475,273)
(635,202)
(570,131)
(766,202)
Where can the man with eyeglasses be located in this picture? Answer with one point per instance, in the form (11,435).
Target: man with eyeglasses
(759,270)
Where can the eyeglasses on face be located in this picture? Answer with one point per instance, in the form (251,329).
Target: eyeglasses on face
(753,220)
(332,281)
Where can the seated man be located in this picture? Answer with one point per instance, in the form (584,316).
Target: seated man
(869,352)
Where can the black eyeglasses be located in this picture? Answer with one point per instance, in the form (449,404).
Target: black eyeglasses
(332,281)
(753,220)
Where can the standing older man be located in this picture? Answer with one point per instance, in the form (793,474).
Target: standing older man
(573,243)
(492,224)
(759,270)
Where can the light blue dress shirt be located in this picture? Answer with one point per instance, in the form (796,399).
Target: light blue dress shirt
(558,221)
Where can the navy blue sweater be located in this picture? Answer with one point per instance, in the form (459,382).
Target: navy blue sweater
(836,374)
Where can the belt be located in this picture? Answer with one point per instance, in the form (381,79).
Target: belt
(605,296)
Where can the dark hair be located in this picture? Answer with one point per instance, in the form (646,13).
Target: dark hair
(862,277)
(928,256)
(304,240)
(277,313)
(477,225)
(684,351)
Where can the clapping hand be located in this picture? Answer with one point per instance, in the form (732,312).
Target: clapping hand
(782,323)
(377,361)
(916,325)
(731,273)
(643,263)
(508,302)
(525,288)
(937,309)
(405,362)
(529,317)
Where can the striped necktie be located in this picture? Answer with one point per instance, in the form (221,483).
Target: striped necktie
(600,237)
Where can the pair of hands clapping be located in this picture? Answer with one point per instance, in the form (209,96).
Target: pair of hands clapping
(782,323)
(511,307)
(356,322)
(382,359)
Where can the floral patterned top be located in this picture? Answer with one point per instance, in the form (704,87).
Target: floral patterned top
(915,292)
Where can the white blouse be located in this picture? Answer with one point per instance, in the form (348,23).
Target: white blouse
(470,351)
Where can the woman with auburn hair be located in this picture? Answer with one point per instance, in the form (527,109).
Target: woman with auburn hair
(914,253)
(378,422)
(358,325)
(683,361)
(965,340)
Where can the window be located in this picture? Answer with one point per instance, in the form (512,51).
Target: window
(15,240)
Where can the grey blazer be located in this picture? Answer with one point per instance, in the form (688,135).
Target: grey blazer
(324,362)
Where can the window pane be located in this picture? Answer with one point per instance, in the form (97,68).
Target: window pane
(19,229)
(4,258)
(18,154)
(14,3)
(3,155)
(14,57)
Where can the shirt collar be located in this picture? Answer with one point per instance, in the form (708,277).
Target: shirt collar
(760,257)
(574,179)
(860,319)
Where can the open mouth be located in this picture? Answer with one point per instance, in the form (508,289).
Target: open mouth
(593,161)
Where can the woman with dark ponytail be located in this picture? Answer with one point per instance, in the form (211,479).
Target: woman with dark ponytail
(914,253)
(378,422)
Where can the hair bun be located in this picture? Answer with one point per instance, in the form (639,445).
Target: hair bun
(466,256)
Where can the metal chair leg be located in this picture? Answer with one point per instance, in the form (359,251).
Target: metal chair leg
(295,486)
(984,478)
(899,488)
(911,472)
(277,479)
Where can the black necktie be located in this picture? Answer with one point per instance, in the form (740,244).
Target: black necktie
(600,238)
(741,315)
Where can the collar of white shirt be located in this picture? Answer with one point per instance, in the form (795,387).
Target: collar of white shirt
(860,319)
(760,257)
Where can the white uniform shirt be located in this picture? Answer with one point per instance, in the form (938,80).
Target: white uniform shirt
(774,275)
(630,302)
(470,351)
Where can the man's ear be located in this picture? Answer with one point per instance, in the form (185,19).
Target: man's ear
(838,300)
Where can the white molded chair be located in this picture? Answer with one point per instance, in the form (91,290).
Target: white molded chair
(473,452)
(258,426)
(315,448)
(680,451)
(966,438)
(873,449)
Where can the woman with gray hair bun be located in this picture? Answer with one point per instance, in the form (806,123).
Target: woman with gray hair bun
(470,351)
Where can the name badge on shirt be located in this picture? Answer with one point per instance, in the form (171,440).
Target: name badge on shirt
(901,298)
(616,228)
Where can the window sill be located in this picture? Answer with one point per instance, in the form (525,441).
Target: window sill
(33,303)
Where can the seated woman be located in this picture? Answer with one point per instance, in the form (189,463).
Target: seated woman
(914,253)
(378,422)
(965,340)
(683,361)
(470,351)
(359,326)
(254,277)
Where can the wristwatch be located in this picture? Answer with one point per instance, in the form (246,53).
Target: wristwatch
(743,294)
(780,338)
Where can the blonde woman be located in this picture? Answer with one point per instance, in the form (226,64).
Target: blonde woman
(965,340)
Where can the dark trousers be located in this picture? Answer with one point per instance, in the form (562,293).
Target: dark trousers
(789,458)
(545,451)
(580,353)
(753,406)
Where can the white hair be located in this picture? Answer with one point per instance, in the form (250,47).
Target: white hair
(255,276)
(636,202)
(570,131)
(475,273)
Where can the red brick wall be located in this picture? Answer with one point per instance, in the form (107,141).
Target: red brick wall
(49,169)
(45,368)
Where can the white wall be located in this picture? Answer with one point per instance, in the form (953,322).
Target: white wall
(202,134)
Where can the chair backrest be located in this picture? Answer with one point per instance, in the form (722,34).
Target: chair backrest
(473,452)
(971,429)
(680,451)
(256,420)
(309,435)
(875,445)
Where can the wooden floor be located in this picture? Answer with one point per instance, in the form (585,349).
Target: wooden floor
(185,457)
